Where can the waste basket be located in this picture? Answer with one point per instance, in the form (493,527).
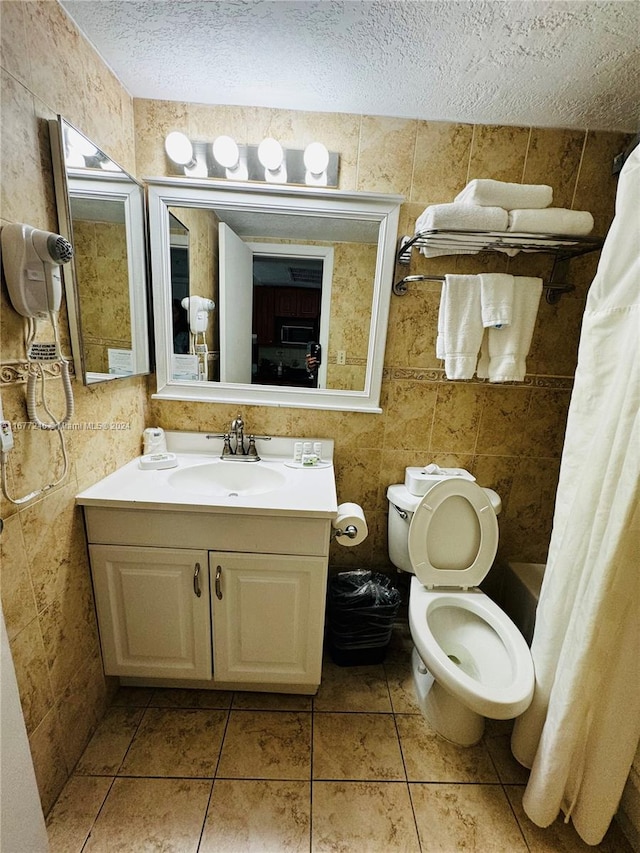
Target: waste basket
(361,607)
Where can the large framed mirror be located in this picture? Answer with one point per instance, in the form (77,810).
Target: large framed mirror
(270,296)
(101,210)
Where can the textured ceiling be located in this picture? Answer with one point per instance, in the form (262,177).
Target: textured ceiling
(574,63)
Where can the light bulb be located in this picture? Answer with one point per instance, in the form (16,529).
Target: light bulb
(80,143)
(316,158)
(179,148)
(270,154)
(226,152)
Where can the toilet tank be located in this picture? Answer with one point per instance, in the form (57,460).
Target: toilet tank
(402,505)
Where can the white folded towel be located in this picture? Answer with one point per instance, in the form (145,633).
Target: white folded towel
(551,220)
(504,351)
(496,299)
(489,193)
(461,325)
(465,217)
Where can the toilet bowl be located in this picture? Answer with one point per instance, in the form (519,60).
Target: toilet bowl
(470,661)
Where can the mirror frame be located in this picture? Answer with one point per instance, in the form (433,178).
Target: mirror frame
(383,209)
(110,186)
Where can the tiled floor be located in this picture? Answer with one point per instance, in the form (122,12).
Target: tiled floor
(356,769)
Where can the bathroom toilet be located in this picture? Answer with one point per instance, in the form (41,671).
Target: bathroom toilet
(469,661)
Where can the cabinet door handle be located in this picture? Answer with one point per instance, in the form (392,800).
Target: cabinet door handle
(196,581)
(218,584)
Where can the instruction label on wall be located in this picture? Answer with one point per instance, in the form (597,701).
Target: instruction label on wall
(184,366)
(120,361)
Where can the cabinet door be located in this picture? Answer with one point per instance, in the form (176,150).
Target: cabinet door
(264,323)
(286,302)
(308,303)
(152,621)
(268,617)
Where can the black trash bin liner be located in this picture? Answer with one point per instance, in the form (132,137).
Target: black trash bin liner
(361,608)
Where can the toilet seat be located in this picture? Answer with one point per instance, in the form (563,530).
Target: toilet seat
(425,539)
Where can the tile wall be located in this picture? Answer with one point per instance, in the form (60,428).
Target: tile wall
(100,252)
(48,68)
(509,437)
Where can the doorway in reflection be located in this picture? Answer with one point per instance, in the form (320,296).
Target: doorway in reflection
(287,299)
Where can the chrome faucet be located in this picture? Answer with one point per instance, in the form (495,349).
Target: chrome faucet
(237,451)
(237,430)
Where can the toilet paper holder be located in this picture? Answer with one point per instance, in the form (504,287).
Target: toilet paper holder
(350,530)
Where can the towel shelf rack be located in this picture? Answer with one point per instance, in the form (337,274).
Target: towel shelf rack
(563,247)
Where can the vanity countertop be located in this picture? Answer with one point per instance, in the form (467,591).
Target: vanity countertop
(304,491)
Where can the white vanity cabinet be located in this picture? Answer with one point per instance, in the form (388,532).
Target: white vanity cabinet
(258,623)
(268,617)
(153,611)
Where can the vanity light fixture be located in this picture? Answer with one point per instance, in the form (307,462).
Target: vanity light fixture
(268,162)
(80,153)
(179,149)
(316,160)
(227,154)
(271,156)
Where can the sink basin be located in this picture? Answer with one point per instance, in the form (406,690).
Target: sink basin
(227,478)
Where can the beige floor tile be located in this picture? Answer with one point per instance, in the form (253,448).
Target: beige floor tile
(71,819)
(430,758)
(136,696)
(179,698)
(266,745)
(110,742)
(561,837)
(176,743)
(465,817)
(510,771)
(356,746)
(151,815)
(352,688)
(362,817)
(257,815)
(248,701)
(401,689)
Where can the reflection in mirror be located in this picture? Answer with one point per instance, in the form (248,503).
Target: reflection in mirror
(296,284)
(101,211)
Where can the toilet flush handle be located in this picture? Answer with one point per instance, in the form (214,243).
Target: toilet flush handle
(401,512)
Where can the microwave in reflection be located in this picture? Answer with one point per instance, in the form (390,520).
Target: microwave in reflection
(297,335)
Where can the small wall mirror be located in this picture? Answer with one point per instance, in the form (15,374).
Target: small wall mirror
(270,296)
(101,211)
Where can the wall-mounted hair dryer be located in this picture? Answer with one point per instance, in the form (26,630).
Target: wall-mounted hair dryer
(31,261)
(198,308)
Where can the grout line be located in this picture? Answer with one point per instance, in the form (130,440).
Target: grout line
(526,156)
(106,797)
(471,147)
(578,173)
(311,774)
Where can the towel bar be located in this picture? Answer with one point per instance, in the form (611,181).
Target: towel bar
(563,247)
(553,291)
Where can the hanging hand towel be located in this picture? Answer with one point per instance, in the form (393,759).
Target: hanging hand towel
(490,193)
(440,350)
(509,346)
(552,220)
(462,325)
(465,217)
(496,299)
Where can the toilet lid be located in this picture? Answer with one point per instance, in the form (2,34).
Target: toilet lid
(453,536)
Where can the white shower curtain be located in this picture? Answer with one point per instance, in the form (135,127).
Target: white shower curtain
(581,731)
